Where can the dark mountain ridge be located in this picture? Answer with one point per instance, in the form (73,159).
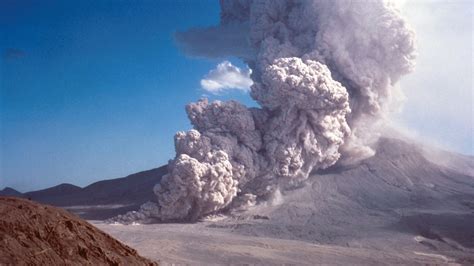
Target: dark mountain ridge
(398,174)
(101,199)
(8,191)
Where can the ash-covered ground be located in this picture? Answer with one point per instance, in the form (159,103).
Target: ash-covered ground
(396,207)
(408,204)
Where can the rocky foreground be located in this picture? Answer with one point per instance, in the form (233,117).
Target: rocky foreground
(36,234)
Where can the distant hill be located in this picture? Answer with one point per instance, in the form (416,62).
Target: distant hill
(102,199)
(53,194)
(8,191)
(400,173)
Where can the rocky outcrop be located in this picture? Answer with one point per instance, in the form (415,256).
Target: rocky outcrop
(36,234)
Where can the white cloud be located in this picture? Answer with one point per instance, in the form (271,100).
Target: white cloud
(226,77)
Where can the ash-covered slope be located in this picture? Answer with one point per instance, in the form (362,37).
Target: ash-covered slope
(397,207)
(395,200)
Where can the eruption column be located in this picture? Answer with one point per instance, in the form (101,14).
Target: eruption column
(323,72)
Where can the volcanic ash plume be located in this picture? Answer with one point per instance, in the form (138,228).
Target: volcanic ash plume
(321,69)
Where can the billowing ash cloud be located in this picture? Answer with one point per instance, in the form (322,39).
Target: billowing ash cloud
(226,77)
(322,73)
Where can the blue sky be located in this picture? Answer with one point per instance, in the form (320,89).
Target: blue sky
(92,90)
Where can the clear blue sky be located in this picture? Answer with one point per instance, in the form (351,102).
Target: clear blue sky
(92,90)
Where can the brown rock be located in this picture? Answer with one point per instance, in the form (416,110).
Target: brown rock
(36,234)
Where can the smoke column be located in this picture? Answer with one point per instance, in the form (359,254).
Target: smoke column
(323,72)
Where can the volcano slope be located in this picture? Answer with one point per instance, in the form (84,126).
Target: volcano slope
(396,207)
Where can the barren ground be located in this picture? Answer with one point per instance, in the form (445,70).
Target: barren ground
(395,208)
(398,207)
(36,234)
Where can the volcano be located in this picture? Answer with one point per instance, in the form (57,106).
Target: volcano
(407,204)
